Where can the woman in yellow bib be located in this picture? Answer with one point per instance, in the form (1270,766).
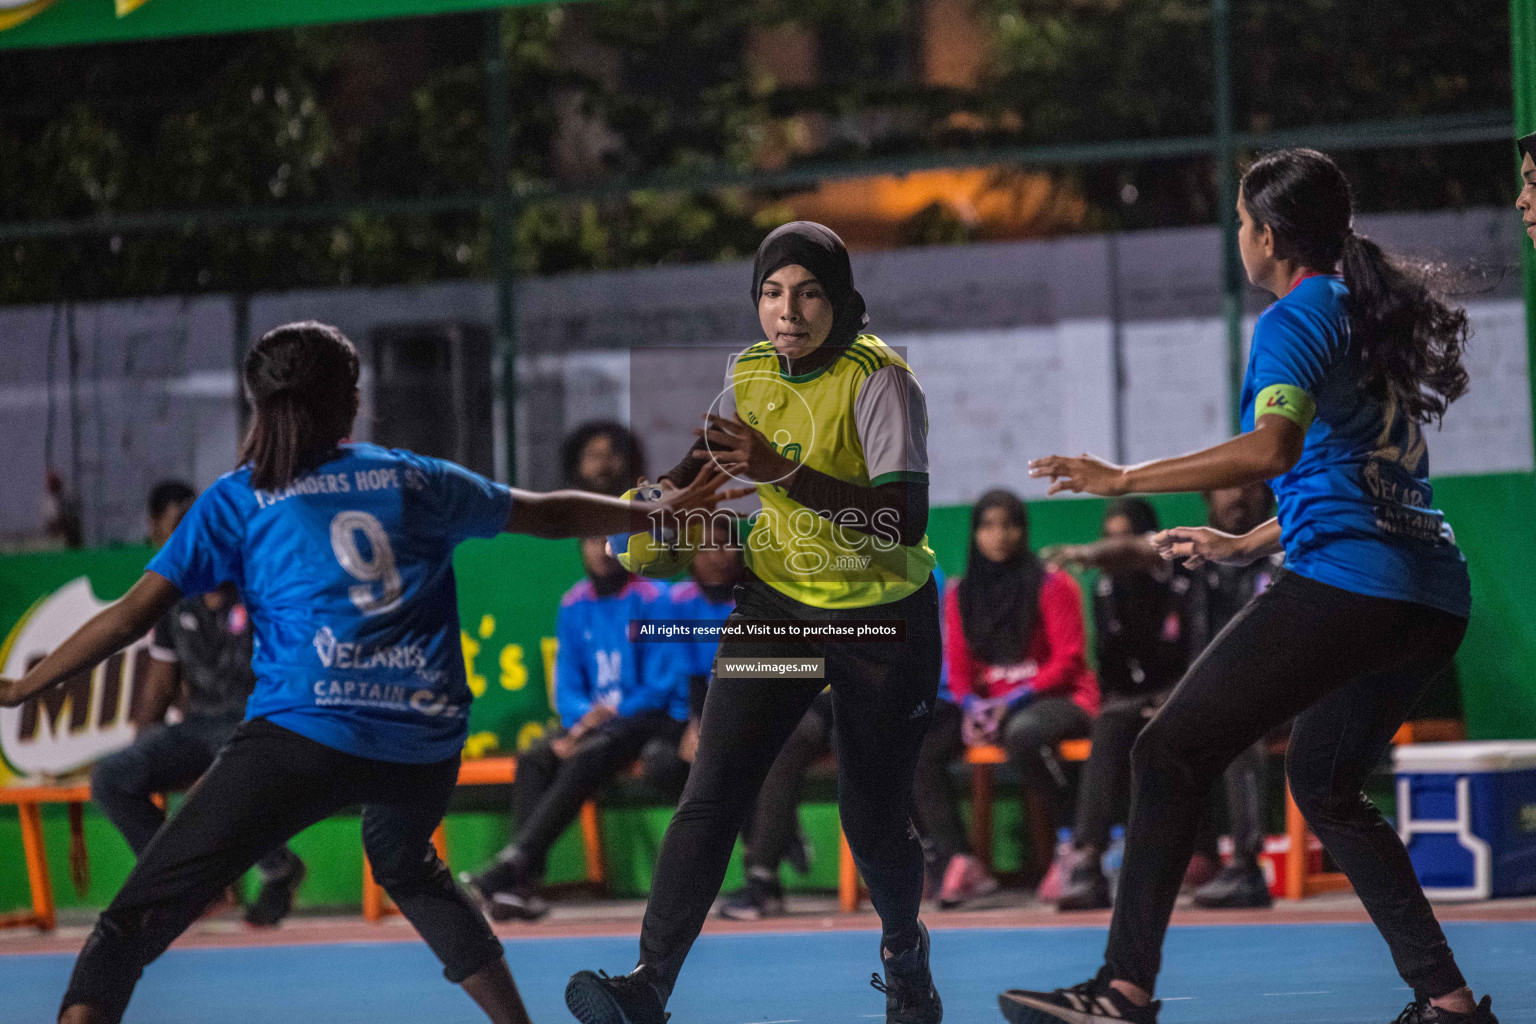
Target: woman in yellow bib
(831,427)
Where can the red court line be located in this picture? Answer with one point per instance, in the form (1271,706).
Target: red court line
(305,931)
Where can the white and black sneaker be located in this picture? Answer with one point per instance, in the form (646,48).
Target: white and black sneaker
(519,901)
(1092,1002)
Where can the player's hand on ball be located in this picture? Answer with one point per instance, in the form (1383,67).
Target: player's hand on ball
(707,490)
(1085,473)
(8,698)
(741,450)
(1197,545)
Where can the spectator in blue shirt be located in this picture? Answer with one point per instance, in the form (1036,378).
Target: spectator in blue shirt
(613,697)
(709,595)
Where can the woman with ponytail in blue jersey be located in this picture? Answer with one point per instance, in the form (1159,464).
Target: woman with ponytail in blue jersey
(1357,353)
(343,555)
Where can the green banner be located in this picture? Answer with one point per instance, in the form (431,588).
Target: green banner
(36,23)
(509,590)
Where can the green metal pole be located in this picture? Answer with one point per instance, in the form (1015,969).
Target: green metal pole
(1226,204)
(1522,38)
(498,130)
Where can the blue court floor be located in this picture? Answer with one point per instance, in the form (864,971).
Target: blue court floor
(1278,974)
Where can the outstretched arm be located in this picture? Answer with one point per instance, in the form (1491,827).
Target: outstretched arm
(1110,554)
(108,631)
(1269,450)
(579,514)
(1196,545)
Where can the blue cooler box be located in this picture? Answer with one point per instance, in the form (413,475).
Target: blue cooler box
(1467,813)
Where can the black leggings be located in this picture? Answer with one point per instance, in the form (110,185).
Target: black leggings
(775,822)
(267,785)
(1350,668)
(882,695)
(548,792)
(1030,734)
(1106,782)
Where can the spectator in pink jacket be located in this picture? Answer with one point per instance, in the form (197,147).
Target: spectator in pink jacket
(1015,647)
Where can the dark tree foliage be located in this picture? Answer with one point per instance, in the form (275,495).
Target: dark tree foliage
(631,87)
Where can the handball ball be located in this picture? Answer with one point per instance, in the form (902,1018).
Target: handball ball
(658,557)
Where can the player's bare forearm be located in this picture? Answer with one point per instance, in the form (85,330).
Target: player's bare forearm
(559,514)
(1196,545)
(1267,451)
(107,632)
(1262,541)
(580,514)
(1110,554)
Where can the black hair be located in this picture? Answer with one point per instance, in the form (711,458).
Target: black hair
(1407,341)
(1000,601)
(1139,511)
(620,436)
(1526,144)
(301,379)
(167,493)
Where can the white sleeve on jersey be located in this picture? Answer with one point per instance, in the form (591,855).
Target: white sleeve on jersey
(891,415)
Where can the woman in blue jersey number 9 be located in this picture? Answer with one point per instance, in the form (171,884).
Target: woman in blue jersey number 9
(1357,353)
(343,555)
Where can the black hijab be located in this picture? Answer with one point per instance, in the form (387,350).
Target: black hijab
(817,248)
(1000,601)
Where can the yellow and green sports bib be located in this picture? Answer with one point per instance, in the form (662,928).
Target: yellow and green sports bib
(810,420)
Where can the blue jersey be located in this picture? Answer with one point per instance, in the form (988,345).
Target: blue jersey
(688,601)
(597,663)
(348,577)
(1356,509)
(939,582)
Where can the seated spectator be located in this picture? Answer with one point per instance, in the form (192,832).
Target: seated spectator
(710,595)
(613,698)
(1142,643)
(602,456)
(1015,650)
(1135,605)
(203,645)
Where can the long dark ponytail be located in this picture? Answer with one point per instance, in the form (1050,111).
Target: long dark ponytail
(1407,339)
(301,379)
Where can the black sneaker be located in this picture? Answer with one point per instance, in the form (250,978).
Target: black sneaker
(1087,888)
(1092,1002)
(1421,1012)
(910,997)
(275,899)
(760,898)
(1237,887)
(519,901)
(628,999)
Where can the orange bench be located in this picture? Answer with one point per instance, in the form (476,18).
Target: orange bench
(492,771)
(982,761)
(29,801)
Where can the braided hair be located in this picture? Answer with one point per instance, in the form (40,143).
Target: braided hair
(301,379)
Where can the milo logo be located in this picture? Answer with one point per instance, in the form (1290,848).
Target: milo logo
(84,718)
